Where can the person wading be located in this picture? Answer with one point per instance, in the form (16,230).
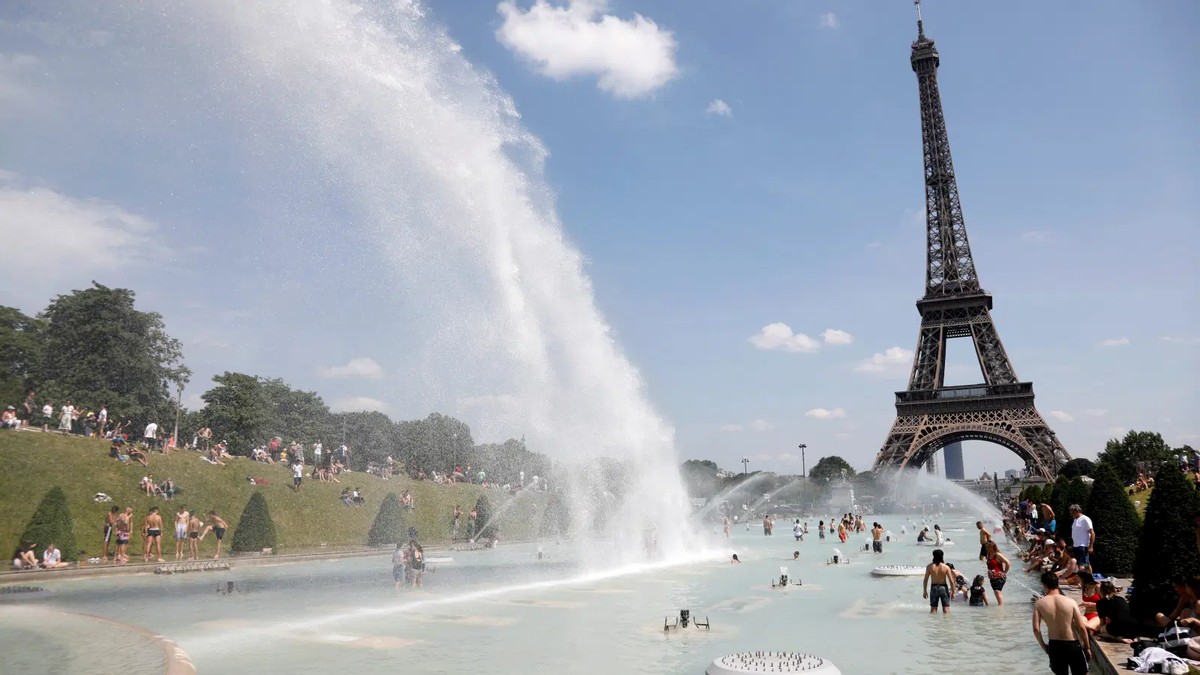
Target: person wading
(936,585)
(1068,647)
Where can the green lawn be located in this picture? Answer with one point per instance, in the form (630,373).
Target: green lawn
(315,516)
(1140,500)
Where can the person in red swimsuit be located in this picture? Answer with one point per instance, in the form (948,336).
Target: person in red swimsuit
(1088,597)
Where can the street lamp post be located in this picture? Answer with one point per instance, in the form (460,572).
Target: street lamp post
(178,405)
(745,463)
(803,465)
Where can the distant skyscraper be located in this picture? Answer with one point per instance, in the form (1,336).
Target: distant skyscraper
(952,456)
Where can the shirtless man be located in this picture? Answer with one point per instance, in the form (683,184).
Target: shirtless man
(181,523)
(194,526)
(877,538)
(152,534)
(216,525)
(110,524)
(1068,648)
(124,527)
(984,538)
(942,578)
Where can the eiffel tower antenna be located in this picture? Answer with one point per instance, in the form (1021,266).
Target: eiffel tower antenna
(929,414)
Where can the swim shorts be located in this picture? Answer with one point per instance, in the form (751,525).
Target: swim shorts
(1066,656)
(153,532)
(219,532)
(877,546)
(939,593)
(181,531)
(997,583)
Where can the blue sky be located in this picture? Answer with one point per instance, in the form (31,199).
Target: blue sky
(721,166)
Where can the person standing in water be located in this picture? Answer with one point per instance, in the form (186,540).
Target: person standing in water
(1068,647)
(937,583)
(984,538)
(877,538)
(998,567)
(725,525)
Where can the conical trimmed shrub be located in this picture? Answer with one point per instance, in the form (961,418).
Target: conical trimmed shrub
(1116,523)
(1167,545)
(51,524)
(388,528)
(556,518)
(255,530)
(483,516)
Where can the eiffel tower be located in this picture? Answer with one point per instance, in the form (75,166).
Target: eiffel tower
(930,415)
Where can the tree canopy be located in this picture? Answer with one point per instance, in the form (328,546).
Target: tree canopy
(1138,451)
(1167,547)
(831,468)
(1116,523)
(21,350)
(101,350)
(1080,466)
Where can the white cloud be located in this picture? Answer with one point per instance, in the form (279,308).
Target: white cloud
(829,20)
(760,425)
(732,427)
(58,240)
(779,336)
(891,362)
(1095,412)
(1035,237)
(825,414)
(1184,341)
(631,57)
(359,367)
(18,73)
(720,108)
(1061,416)
(1115,342)
(357,404)
(833,336)
(762,457)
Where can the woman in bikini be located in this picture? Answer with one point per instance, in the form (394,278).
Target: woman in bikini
(1089,595)
(997,566)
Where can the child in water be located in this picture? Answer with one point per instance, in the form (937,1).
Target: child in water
(978,593)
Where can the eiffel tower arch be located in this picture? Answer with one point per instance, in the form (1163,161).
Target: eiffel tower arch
(929,414)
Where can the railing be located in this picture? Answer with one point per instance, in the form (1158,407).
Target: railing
(965,392)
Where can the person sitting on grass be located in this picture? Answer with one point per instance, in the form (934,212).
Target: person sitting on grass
(148,485)
(136,454)
(346,497)
(8,419)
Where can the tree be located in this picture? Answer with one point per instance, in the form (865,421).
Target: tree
(1137,452)
(483,517)
(100,350)
(1079,466)
(371,437)
(236,410)
(20,353)
(1116,523)
(700,477)
(51,524)
(293,414)
(437,442)
(1167,545)
(388,528)
(830,469)
(255,530)
(1056,495)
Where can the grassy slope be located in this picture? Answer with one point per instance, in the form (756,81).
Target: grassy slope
(35,462)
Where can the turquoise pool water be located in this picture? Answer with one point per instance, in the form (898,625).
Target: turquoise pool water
(504,611)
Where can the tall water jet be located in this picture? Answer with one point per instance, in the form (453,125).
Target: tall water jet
(417,168)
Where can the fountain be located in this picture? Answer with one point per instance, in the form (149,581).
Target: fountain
(368,114)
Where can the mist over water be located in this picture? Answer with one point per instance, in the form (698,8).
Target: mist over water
(423,167)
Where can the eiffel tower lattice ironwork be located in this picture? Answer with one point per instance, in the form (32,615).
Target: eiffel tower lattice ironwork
(930,415)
